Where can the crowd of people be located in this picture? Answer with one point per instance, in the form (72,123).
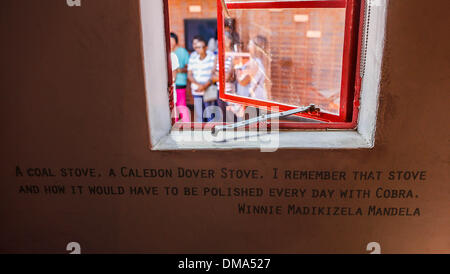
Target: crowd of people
(199,73)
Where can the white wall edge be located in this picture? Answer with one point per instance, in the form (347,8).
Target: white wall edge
(155,64)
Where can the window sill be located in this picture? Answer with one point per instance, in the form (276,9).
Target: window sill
(198,140)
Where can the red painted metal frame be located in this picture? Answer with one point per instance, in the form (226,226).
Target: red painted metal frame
(352,45)
(347,117)
(170,87)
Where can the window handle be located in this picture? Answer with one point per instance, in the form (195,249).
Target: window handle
(218,128)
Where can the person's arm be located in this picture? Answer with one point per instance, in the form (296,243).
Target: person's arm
(201,87)
(204,87)
(174,75)
(257,77)
(229,76)
(188,82)
(214,72)
(246,73)
(182,70)
(175,65)
(190,75)
(185,57)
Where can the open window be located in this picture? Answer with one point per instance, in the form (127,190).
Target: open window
(292,54)
(326,52)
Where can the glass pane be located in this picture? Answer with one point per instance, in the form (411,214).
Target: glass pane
(249,1)
(288,56)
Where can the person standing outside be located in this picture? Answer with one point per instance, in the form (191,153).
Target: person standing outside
(181,77)
(200,69)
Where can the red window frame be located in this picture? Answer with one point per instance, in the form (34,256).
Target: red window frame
(351,78)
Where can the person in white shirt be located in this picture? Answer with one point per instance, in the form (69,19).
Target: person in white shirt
(200,70)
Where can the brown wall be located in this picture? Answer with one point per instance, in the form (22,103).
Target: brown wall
(73,96)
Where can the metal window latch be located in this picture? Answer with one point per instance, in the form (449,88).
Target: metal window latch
(310,109)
